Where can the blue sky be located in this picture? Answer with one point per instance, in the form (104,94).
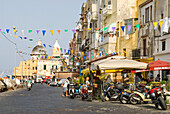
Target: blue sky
(35,15)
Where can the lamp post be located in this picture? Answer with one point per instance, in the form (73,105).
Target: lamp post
(15,51)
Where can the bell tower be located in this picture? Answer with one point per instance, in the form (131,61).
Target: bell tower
(56,50)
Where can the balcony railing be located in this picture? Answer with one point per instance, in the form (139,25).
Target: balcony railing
(107,10)
(107,40)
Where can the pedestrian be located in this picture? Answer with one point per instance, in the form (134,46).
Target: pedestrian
(157,79)
(65,88)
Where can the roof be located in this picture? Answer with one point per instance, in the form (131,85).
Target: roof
(159,63)
(39,49)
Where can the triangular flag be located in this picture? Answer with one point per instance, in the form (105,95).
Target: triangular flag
(74,31)
(161,23)
(59,32)
(44,45)
(7,30)
(113,28)
(15,36)
(66,30)
(37,31)
(50,46)
(64,50)
(22,32)
(25,37)
(129,27)
(155,24)
(20,37)
(0,29)
(123,28)
(14,30)
(137,26)
(43,31)
(30,39)
(61,49)
(29,31)
(68,51)
(4,32)
(97,28)
(89,29)
(51,32)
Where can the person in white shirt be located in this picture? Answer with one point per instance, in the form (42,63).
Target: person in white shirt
(65,89)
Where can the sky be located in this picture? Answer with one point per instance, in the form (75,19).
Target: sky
(35,15)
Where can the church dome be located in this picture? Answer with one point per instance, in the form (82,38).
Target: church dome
(39,49)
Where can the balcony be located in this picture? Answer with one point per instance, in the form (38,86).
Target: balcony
(107,40)
(107,11)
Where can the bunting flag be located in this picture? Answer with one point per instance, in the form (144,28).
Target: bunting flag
(43,31)
(74,31)
(129,27)
(20,37)
(44,45)
(68,51)
(97,54)
(30,47)
(0,30)
(25,37)
(38,56)
(7,30)
(4,32)
(37,31)
(66,30)
(113,28)
(138,26)
(64,50)
(92,56)
(82,53)
(59,32)
(29,31)
(51,31)
(57,49)
(50,46)
(97,28)
(45,57)
(15,36)
(14,31)
(71,51)
(20,51)
(89,29)
(105,54)
(61,50)
(84,57)
(155,24)
(85,53)
(123,28)
(100,54)
(22,32)
(161,23)
(30,39)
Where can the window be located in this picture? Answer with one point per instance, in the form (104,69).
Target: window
(124,50)
(56,67)
(162,16)
(32,68)
(144,47)
(45,67)
(147,15)
(35,68)
(169,8)
(109,2)
(151,13)
(163,45)
(127,23)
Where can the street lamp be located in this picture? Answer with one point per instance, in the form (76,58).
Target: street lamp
(15,50)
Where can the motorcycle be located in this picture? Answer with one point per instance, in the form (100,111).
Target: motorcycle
(124,96)
(154,95)
(86,93)
(74,91)
(29,86)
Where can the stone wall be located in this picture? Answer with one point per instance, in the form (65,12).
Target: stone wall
(66,74)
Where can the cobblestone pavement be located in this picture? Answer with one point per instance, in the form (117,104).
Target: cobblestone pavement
(45,100)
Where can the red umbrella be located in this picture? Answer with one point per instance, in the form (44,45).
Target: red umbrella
(159,65)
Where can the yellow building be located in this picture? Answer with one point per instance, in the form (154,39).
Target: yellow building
(40,63)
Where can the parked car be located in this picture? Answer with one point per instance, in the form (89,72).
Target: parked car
(54,82)
(61,82)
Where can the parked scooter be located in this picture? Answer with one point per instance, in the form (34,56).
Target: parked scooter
(74,91)
(148,94)
(125,96)
(86,93)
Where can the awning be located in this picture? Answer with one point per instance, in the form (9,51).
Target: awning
(118,62)
(87,71)
(159,65)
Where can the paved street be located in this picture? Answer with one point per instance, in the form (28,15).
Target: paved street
(44,99)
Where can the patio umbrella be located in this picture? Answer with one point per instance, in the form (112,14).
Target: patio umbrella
(121,63)
(159,65)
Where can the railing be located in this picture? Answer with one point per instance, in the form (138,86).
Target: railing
(107,40)
(107,10)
